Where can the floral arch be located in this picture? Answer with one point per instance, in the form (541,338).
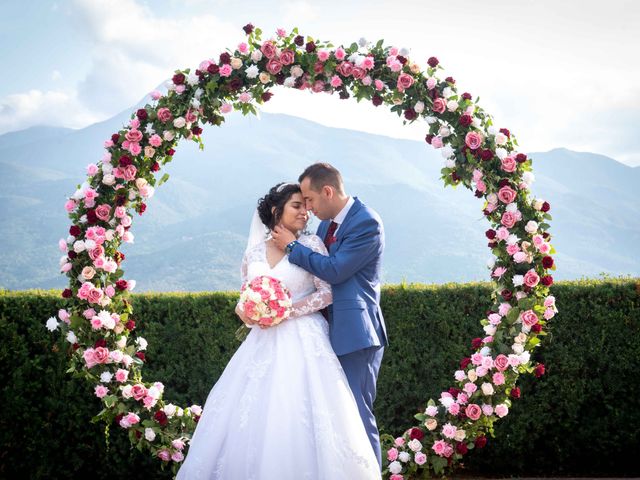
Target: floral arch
(98,318)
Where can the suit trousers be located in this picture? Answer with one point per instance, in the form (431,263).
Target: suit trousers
(361,368)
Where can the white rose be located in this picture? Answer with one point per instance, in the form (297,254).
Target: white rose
(501,138)
(446,151)
(107,168)
(489,329)
(512,207)
(449,163)
(404,457)
(447,401)
(236,63)
(153,392)
(518,280)
(126,391)
(460,375)
(252,71)
(256,55)
(415,445)
(531,227)
(168,135)
(78,246)
(444,132)
(403,51)
(501,153)
(198,93)
(149,434)
(447,92)
(460,435)
(512,239)
(491,262)
(142,343)
(487,388)
(179,122)
(517,348)
(109,234)
(52,324)
(452,105)
(525,357)
(419,107)
(89,244)
(395,467)
(528,178)
(71,337)
(296,71)
(430,120)
(484,351)
(289,82)
(105,377)
(492,130)
(108,179)
(170,410)
(476,122)
(192,79)
(520,338)
(473,376)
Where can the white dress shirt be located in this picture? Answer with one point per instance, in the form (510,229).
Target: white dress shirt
(339,218)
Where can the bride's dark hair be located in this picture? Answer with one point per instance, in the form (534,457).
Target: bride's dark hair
(277,197)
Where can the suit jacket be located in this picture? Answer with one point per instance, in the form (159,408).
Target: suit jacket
(353,269)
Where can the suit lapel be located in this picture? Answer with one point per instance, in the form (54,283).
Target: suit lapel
(357,205)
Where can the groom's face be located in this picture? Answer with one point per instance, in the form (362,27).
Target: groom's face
(318,203)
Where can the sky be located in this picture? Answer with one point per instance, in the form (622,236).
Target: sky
(556,73)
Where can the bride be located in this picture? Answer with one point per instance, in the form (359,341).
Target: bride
(282,408)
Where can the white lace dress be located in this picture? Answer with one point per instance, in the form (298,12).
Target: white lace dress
(282,408)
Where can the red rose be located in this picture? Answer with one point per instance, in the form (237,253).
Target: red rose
(130,325)
(547,262)
(539,370)
(416,434)
(121,285)
(196,130)
(248,28)
(476,343)
(515,392)
(124,161)
(91,216)
(155,167)
(481,442)
(115,138)
(299,40)
(117,418)
(491,234)
(410,114)
(537,328)
(310,47)
(465,120)
(486,154)
(545,207)
(225,57)
(377,101)
(521,158)
(433,62)
(142,114)
(213,69)
(450,80)
(547,280)
(461,448)
(75,230)
(505,132)
(71,254)
(401,59)
(141,208)
(464,363)
(160,417)
(170,152)
(466,96)
(100,343)
(66,293)
(140,355)
(266,96)
(454,392)
(506,294)
(178,78)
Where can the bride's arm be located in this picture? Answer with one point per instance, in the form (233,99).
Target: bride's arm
(322,296)
(243,277)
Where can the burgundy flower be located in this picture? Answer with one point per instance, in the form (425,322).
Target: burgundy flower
(142,208)
(118,417)
(91,216)
(464,363)
(121,285)
(466,96)
(476,343)
(137,433)
(310,47)
(155,167)
(344,95)
(454,392)
(196,130)
(75,230)
(235,83)
(450,80)
(547,280)
(75,346)
(461,448)
(506,132)
(130,325)
(178,78)
(401,59)
(119,257)
(521,158)
(142,114)
(160,417)
(465,120)
(225,57)
(170,152)
(481,442)
(410,114)
(428,138)
(120,200)
(376,100)
(124,161)
(66,293)
(478,193)
(491,234)
(539,370)
(115,138)
(71,254)
(537,328)
(486,154)
(280,78)
(455,177)
(546,207)
(213,69)
(433,62)
(299,40)
(141,356)
(101,342)
(504,182)
(248,28)
(266,96)
(506,294)
(547,262)
(515,392)
(416,434)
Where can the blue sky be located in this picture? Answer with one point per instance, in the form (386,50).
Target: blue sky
(557,74)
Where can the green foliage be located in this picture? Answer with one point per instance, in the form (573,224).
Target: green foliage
(581,418)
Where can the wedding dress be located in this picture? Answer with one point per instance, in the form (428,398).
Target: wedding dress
(282,408)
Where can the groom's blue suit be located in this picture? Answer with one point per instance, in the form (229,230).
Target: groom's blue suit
(356,325)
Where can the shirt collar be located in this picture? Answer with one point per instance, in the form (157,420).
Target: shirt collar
(339,218)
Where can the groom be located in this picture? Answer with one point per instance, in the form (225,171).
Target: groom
(354,237)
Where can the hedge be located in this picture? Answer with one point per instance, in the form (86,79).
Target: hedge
(581,418)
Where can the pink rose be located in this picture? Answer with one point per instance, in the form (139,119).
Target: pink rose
(529,318)
(379,84)
(509,164)
(268,49)
(129,172)
(287,57)
(225,70)
(138,391)
(437,142)
(506,194)
(134,135)
(274,66)
(473,140)
(473,411)
(501,410)
(420,458)
(101,391)
(336,81)
(323,55)
(344,69)
(509,219)
(501,362)
(340,53)
(155,140)
(122,375)
(101,355)
(164,455)
(480,186)
(95,295)
(318,86)
(498,378)
(164,114)
(439,447)
(439,105)
(399,442)
(392,454)
(103,212)
(404,81)
(531,278)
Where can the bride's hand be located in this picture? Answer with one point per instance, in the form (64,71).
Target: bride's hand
(246,320)
(282,237)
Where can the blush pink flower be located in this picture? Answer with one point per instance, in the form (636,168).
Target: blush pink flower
(509,219)
(529,318)
(507,194)
(336,81)
(531,278)
(340,53)
(101,391)
(473,411)
(498,378)
(473,140)
(439,105)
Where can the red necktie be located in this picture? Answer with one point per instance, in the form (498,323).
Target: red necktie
(329,238)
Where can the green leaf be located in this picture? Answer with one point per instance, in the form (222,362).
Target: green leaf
(164,178)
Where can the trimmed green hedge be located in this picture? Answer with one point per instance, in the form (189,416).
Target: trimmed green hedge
(581,418)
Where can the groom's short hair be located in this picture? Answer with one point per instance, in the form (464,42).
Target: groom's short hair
(321,174)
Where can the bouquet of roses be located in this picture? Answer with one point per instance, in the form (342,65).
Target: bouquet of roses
(265,300)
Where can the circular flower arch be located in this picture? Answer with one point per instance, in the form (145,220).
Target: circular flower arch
(98,318)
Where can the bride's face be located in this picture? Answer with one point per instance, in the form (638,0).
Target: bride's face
(294,215)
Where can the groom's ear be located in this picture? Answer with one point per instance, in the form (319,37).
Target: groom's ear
(328,191)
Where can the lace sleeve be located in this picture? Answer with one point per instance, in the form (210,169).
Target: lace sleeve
(322,296)
(244,268)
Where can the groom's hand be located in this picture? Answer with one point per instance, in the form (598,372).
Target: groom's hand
(282,236)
